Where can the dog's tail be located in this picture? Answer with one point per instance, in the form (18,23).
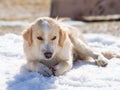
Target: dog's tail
(109,54)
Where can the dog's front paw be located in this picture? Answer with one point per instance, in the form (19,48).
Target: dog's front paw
(44,70)
(102,61)
(57,73)
(47,72)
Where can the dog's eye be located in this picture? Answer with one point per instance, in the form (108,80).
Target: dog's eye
(53,38)
(39,38)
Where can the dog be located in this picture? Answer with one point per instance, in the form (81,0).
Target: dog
(51,47)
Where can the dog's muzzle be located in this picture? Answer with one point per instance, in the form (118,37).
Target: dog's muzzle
(48,55)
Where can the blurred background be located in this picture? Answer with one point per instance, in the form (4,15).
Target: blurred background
(90,16)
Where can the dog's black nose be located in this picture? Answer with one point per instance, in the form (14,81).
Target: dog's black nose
(48,54)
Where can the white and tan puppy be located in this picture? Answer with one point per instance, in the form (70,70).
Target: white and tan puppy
(51,47)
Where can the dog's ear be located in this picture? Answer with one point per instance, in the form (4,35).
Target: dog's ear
(27,35)
(62,37)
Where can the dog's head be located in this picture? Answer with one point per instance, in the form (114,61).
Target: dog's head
(45,36)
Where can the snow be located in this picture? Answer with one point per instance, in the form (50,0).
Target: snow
(73,23)
(83,75)
(13,23)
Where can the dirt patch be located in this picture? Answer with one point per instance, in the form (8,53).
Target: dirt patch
(112,28)
(23,9)
(11,29)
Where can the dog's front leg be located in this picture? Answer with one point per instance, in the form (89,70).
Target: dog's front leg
(62,67)
(36,66)
(85,50)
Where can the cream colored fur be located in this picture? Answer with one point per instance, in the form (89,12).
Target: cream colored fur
(69,45)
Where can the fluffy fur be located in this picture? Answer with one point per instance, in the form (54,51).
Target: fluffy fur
(63,44)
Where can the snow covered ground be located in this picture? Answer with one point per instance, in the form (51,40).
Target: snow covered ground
(13,23)
(83,76)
